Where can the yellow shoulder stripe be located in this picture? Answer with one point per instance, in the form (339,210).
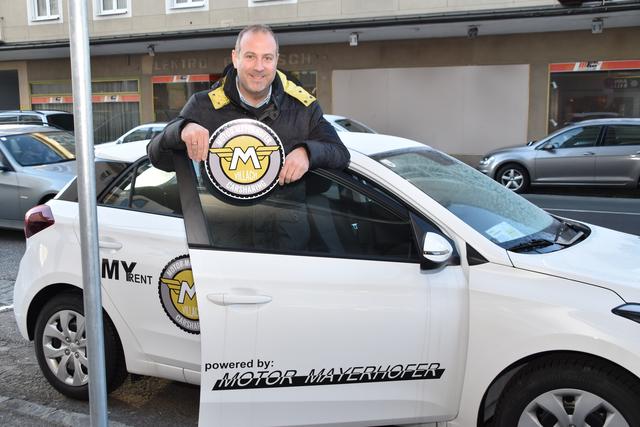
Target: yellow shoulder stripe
(217,96)
(296,91)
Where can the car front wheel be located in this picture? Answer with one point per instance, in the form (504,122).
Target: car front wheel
(514,177)
(568,392)
(61,347)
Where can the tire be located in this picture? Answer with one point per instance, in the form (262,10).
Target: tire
(65,364)
(514,177)
(569,391)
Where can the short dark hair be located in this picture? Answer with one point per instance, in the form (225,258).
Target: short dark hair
(256,28)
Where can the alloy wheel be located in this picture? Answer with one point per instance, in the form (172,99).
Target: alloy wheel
(64,346)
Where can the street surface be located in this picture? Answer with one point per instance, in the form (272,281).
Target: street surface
(26,398)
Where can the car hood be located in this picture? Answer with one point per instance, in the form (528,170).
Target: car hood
(606,258)
(512,149)
(63,171)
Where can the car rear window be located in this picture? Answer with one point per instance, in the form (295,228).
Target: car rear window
(40,148)
(62,121)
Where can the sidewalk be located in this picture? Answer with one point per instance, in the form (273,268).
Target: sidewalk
(27,414)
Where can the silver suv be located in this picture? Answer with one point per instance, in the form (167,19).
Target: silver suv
(601,153)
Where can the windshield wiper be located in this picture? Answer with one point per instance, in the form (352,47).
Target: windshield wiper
(531,244)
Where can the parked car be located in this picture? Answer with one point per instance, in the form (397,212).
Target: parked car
(35,163)
(139,133)
(599,153)
(57,119)
(345,124)
(409,288)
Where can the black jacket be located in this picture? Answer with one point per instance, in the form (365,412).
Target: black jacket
(292,113)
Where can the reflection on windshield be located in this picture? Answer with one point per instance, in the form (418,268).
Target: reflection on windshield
(40,148)
(500,215)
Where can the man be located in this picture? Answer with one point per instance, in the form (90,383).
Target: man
(254,88)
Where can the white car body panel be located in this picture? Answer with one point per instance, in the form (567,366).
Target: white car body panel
(476,321)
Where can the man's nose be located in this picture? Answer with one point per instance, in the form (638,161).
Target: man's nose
(260,64)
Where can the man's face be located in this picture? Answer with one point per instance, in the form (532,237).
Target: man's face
(256,63)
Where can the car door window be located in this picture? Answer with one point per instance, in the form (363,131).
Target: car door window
(137,135)
(622,135)
(315,216)
(8,119)
(145,189)
(576,138)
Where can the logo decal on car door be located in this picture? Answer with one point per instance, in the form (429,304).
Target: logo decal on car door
(177,293)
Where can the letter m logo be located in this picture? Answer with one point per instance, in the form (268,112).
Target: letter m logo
(244,157)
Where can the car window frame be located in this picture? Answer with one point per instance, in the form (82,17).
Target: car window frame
(611,125)
(199,233)
(130,170)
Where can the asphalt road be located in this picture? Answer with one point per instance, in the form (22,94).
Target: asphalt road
(27,399)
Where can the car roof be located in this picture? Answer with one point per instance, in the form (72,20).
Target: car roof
(15,129)
(129,152)
(42,112)
(366,143)
(333,117)
(611,121)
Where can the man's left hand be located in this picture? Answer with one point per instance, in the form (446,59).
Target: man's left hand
(296,164)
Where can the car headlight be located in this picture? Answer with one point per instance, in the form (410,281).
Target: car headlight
(630,311)
(486,160)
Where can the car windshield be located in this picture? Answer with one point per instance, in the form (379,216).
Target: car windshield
(497,213)
(40,148)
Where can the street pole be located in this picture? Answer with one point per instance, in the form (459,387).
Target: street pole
(83,123)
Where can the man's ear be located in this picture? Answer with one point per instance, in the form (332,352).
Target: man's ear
(234,58)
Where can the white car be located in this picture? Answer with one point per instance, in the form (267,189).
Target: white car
(139,133)
(407,289)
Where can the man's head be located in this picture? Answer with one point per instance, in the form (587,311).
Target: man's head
(256,58)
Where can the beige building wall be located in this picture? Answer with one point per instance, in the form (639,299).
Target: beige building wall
(150,16)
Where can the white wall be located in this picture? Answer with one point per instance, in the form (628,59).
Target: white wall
(460,110)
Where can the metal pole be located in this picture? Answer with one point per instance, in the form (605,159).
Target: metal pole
(83,121)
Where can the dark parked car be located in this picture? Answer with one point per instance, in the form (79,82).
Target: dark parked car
(35,163)
(57,119)
(602,153)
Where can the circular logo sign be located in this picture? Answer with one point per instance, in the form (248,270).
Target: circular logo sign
(178,294)
(245,158)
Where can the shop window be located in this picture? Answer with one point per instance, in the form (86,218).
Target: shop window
(45,10)
(116,104)
(582,95)
(170,93)
(308,80)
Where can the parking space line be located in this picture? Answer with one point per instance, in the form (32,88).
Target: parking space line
(6,308)
(591,211)
(47,414)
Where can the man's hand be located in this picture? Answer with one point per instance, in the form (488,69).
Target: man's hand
(196,138)
(296,164)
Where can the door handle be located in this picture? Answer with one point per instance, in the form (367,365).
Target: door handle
(107,244)
(588,153)
(232,299)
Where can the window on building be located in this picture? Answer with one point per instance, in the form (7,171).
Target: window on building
(45,10)
(181,4)
(586,93)
(113,7)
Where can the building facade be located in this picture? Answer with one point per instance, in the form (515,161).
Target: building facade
(464,76)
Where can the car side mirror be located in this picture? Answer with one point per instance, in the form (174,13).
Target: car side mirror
(436,249)
(3,166)
(548,147)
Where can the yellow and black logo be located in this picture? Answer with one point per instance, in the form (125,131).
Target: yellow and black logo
(177,292)
(245,158)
